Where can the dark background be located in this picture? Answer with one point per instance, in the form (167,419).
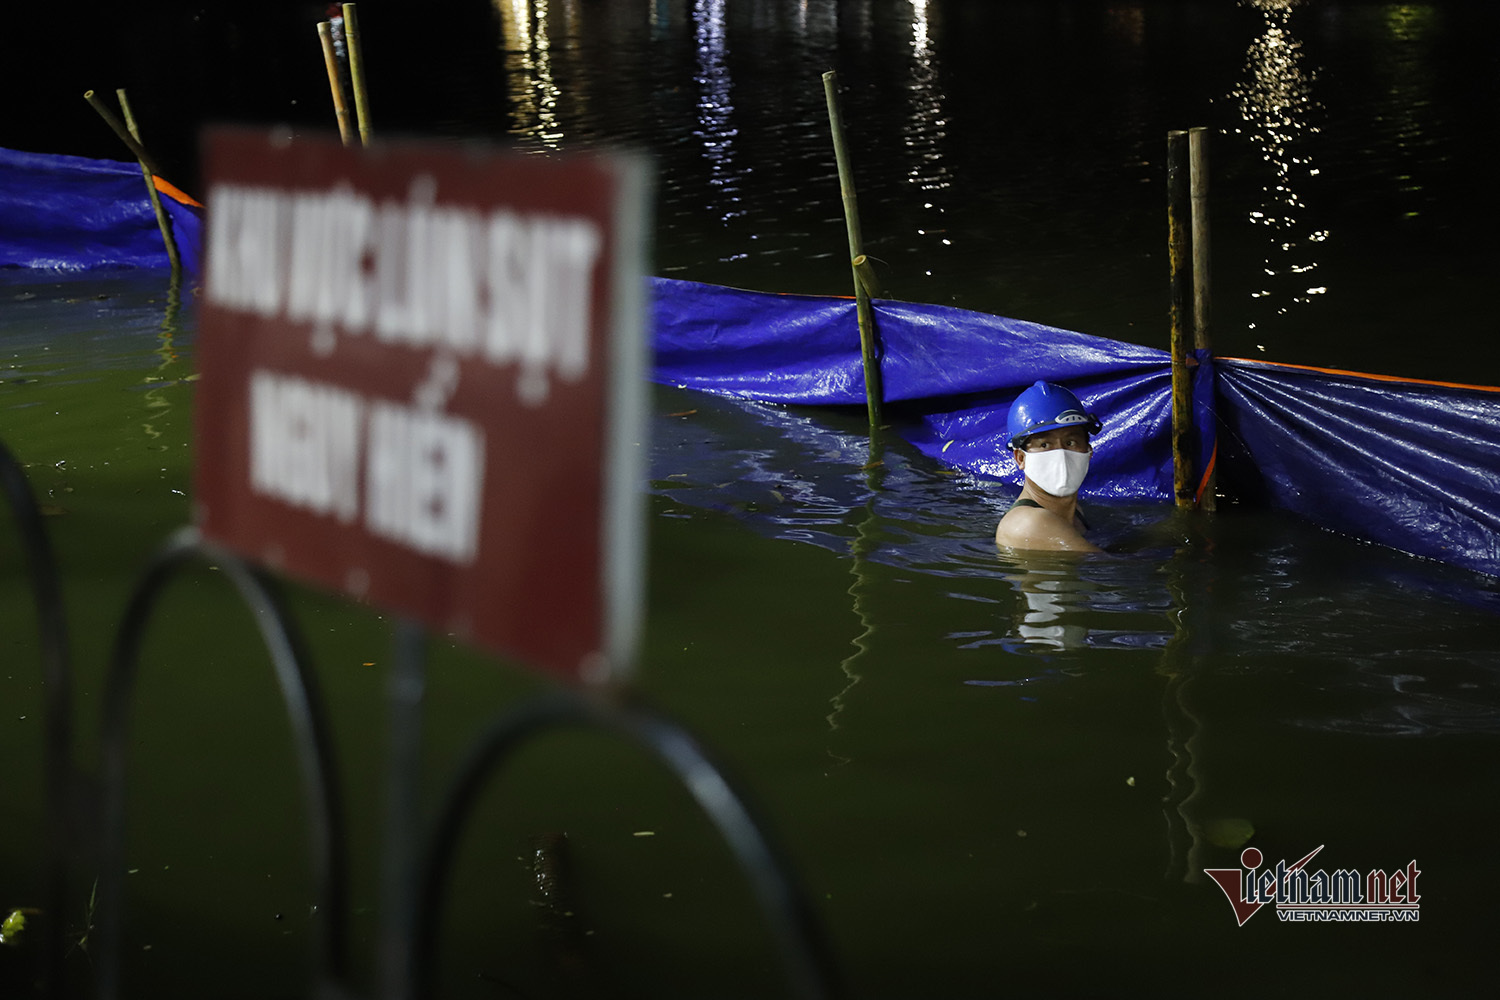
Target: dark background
(187,64)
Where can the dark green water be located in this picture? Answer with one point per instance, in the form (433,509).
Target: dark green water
(993,776)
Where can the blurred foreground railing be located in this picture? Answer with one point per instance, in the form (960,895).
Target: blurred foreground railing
(418,868)
(57,724)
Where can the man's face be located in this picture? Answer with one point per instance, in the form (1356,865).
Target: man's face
(1067,438)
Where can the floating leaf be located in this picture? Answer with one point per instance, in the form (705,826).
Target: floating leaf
(12,926)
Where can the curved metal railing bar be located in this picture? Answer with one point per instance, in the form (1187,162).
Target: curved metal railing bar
(57,712)
(304,705)
(807,958)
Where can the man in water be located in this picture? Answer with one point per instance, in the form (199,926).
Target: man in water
(1049,437)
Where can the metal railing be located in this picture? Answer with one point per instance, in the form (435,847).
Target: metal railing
(417,869)
(57,696)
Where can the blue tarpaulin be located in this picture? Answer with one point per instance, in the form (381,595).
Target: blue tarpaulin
(71,213)
(1413,465)
(949,375)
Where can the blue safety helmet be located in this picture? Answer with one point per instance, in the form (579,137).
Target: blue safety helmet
(1046,407)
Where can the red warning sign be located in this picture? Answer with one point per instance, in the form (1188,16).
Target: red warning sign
(422,383)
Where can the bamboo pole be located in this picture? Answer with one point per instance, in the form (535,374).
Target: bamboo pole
(1179,247)
(162,222)
(865,272)
(1198,173)
(120,130)
(335,82)
(873,391)
(130,134)
(357,72)
(1202,297)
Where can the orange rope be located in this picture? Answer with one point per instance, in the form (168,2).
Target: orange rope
(1208,473)
(1378,378)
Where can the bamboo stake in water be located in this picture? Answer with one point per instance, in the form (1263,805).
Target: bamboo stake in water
(120,130)
(335,81)
(1198,173)
(873,391)
(131,136)
(162,222)
(1202,299)
(357,72)
(1179,247)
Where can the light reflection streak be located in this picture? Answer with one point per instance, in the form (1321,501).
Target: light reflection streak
(1275,102)
(157,401)
(1406,98)
(927,131)
(527,39)
(715,105)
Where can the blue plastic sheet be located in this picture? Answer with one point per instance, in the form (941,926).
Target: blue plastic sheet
(805,348)
(949,375)
(72,213)
(1412,465)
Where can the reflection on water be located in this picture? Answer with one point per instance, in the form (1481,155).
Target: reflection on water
(1405,100)
(864,543)
(526,36)
(1051,601)
(715,107)
(1275,101)
(157,400)
(927,128)
(1071,602)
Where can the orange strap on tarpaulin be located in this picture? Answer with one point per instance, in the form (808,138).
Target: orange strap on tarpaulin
(1364,375)
(174,192)
(1403,462)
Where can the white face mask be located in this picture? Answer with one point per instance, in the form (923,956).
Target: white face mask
(1058,471)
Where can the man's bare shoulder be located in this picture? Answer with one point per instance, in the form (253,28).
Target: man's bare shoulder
(1037,528)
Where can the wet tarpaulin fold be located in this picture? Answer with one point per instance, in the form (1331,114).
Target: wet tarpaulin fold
(1413,465)
(72,213)
(1410,464)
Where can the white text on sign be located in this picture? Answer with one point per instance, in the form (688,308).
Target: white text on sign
(322,448)
(505,287)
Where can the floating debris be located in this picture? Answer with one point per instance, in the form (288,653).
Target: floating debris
(1229,832)
(12,926)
